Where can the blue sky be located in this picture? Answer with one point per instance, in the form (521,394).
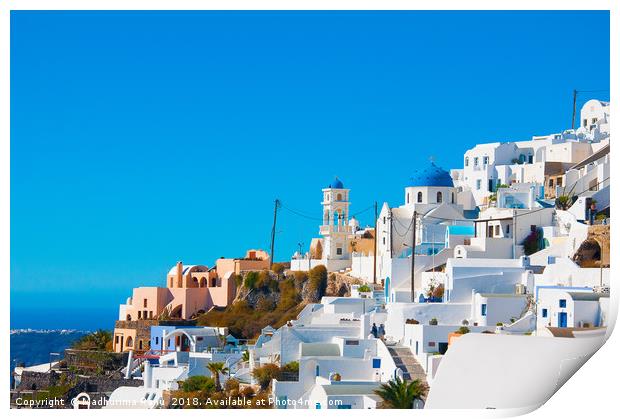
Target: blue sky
(143,138)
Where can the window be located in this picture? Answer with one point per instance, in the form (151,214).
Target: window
(419,196)
(594,120)
(559,181)
(453,197)
(383,220)
(416,347)
(407,197)
(339,250)
(530,159)
(485,160)
(116,339)
(145,302)
(384,241)
(544,312)
(156,340)
(562,303)
(439,197)
(585,122)
(318,405)
(376,362)
(497,230)
(490,231)
(317,371)
(140,344)
(478,184)
(466,161)
(551,183)
(431,344)
(352,342)
(483,309)
(139,314)
(507,229)
(475,161)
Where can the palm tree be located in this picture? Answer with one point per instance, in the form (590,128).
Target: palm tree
(397,394)
(216,369)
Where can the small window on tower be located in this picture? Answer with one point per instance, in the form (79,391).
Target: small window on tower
(339,250)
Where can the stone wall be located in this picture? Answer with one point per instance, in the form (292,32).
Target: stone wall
(100,361)
(35,384)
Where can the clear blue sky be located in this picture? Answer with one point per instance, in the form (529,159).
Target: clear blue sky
(143,138)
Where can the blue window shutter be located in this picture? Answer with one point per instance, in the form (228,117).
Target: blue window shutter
(562,303)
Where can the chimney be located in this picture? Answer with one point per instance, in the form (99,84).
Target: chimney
(179,274)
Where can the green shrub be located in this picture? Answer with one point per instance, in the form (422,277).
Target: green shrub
(292,366)
(364,288)
(433,322)
(278,268)
(264,374)
(251,280)
(300,278)
(238,279)
(463,330)
(263,279)
(199,383)
(317,281)
(101,340)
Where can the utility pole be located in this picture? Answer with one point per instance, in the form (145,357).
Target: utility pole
(514,233)
(574,108)
(391,241)
(374,265)
(273,229)
(414,226)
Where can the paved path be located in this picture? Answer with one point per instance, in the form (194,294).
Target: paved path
(404,359)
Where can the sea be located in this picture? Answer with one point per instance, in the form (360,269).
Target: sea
(34,346)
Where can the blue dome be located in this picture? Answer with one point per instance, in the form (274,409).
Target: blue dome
(336,184)
(431,176)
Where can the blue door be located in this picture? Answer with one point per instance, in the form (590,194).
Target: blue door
(387,289)
(562,319)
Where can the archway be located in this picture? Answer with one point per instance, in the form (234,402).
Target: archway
(589,254)
(129,342)
(176,312)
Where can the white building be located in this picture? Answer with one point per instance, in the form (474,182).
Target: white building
(332,249)
(570,307)
(341,374)
(488,165)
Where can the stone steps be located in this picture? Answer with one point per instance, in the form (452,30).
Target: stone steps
(404,359)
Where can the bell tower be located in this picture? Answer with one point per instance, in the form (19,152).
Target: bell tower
(335,228)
